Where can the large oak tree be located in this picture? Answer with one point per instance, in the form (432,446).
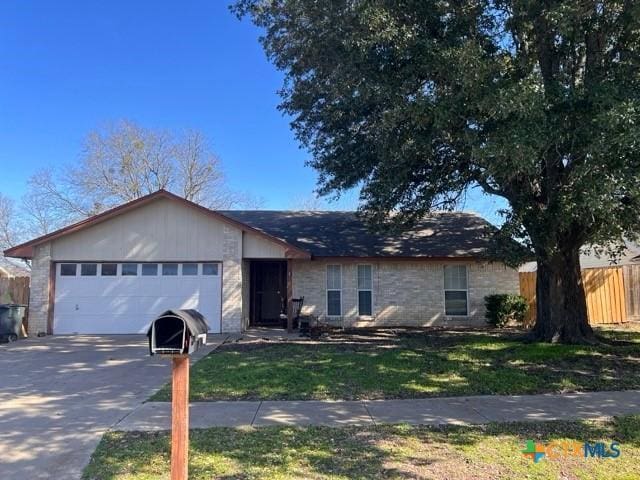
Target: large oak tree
(416,101)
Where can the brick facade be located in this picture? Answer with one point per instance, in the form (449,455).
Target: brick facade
(405,293)
(39,290)
(232,301)
(409,293)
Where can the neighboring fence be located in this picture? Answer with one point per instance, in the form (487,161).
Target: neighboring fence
(632,291)
(14,290)
(528,291)
(607,299)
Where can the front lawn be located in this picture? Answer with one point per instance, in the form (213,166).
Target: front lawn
(390,451)
(411,364)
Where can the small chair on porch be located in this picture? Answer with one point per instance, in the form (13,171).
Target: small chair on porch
(296,309)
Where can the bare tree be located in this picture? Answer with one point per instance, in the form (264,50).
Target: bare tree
(120,163)
(10,228)
(43,210)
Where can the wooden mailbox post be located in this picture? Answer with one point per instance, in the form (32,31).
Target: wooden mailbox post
(178,333)
(180,418)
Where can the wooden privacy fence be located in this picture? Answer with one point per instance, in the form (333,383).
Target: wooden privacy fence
(606,290)
(631,275)
(14,290)
(528,291)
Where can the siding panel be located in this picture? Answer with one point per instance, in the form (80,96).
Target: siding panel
(256,247)
(162,230)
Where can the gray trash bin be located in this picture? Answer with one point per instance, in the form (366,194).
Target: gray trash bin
(11,316)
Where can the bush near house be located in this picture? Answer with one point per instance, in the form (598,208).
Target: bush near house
(502,309)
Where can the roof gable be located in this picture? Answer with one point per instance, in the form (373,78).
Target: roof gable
(25,250)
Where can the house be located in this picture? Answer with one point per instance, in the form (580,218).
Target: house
(112,273)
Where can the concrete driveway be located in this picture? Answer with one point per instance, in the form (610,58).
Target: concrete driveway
(59,394)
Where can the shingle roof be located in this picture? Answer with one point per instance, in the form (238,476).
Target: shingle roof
(343,234)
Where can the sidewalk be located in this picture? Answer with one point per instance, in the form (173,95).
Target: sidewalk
(429,411)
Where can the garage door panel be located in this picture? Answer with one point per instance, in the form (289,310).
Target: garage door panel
(149,305)
(64,307)
(170,286)
(127,304)
(114,324)
(191,302)
(101,305)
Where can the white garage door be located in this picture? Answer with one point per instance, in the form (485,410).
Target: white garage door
(125,297)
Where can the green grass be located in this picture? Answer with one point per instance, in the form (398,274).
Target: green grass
(390,451)
(412,364)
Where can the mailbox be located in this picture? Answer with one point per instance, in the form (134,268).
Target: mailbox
(177,332)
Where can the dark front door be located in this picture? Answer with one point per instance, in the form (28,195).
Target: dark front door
(268,292)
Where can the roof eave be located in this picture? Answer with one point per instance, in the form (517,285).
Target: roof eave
(19,251)
(404,257)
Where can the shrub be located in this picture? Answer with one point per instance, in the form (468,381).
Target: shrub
(505,308)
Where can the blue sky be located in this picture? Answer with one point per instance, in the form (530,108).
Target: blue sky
(68,67)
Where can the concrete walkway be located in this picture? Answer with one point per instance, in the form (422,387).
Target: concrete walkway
(59,394)
(153,416)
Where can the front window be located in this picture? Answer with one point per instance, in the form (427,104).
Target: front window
(455,290)
(365,295)
(334,290)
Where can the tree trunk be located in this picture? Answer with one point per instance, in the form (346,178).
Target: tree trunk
(560,300)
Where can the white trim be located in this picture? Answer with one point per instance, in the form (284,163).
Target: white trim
(444,290)
(327,290)
(358,290)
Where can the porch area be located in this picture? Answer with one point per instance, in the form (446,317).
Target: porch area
(270,302)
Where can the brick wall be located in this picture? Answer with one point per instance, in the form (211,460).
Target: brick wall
(232,280)
(39,296)
(404,293)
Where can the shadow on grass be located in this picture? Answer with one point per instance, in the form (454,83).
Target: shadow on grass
(387,451)
(412,364)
